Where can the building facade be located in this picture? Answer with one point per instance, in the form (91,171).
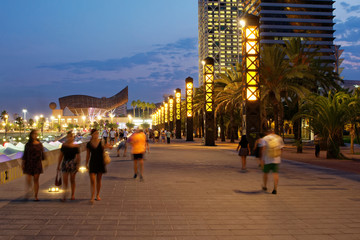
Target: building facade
(311,20)
(219,33)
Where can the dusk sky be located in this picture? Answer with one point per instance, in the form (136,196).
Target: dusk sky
(55,48)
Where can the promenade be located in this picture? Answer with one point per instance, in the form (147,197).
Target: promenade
(190,192)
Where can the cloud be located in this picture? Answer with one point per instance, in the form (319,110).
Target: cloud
(157,55)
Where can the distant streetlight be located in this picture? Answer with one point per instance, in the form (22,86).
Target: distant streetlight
(189,108)
(111,117)
(178,113)
(166,118)
(171,113)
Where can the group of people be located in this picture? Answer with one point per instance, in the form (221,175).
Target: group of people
(114,135)
(268,149)
(162,134)
(69,161)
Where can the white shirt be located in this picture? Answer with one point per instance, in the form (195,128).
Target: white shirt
(112,134)
(105,133)
(125,133)
(265,144)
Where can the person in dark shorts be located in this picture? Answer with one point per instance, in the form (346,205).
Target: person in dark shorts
(244,150)
(271,158)
(68,163)
(138,144)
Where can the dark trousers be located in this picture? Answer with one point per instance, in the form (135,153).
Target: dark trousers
(168,140)
(317,150)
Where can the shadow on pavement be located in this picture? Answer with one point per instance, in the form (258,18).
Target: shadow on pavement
(249,192)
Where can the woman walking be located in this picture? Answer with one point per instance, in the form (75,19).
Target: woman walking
(244,151)
(95,163)
(31,162)
(70,159)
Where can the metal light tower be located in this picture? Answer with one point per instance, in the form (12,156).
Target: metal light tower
(171,113)
(189,108)
(208,65)
(166,118)
(178,113)
(251,62)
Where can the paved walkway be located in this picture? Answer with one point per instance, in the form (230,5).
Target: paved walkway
(190,192)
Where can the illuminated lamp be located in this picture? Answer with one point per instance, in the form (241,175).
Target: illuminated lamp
(251,77)
(208,73)
(189,108)
(178,113)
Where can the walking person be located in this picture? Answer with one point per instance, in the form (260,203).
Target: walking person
(68,163)
(317,144)
(105,135)
(95,163)
(112,136)
(126,134)
(244,150)
(257,147)
(156,135)
(32,162)
(271,158)
(122,145)
(168,136)
(163,135)
(138,144)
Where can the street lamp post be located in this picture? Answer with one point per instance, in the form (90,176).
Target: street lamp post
(208,82)
(189,109)
(162,116)
(166,118)
(171,113)
(251,63)
(178,113)
(83,118)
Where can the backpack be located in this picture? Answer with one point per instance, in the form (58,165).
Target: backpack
(273,148)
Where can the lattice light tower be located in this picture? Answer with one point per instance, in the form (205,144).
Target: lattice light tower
(162,116)
(251,62)
(171,113)
(208,67)
(178,113)
(166,118)
(189,108)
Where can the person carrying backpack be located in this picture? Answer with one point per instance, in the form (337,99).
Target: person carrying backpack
(271,148)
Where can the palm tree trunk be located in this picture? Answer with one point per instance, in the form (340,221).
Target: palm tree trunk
(232,127)
(333,150)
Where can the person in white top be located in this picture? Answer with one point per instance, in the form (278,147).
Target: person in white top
(125,134)
(105,135)
(112,136)
(271,148)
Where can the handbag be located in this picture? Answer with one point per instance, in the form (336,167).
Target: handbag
(58,180)
(106,157)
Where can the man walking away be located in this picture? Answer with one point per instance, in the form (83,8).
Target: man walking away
(138,143)
(271,157)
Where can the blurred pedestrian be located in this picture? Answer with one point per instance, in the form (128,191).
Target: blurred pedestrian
(138,144)
(95,163)
(271,158)
(156,135)
(317,144)
(163,135)
(122,145)
(68,163)
(244,150)
(105,135)
(168,136)
(32,162)
(257,147)
(112,134)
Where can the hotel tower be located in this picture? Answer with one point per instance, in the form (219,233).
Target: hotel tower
(219,33)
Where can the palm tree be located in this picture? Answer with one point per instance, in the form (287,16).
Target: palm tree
(327,115)
(138,104)
(3,113)
(152,106)
(133,104)
(279,79)
(229,90)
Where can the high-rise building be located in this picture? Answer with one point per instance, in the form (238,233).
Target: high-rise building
(219,33)
(311,20)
